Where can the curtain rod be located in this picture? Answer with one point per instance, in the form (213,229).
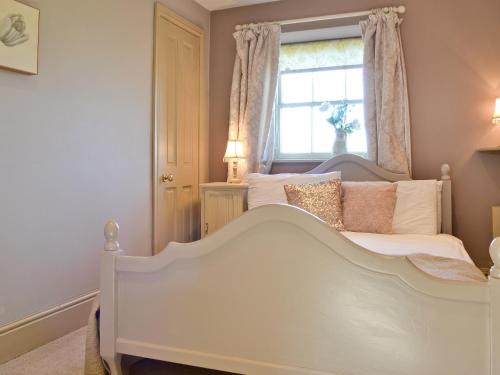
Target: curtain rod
(398,9)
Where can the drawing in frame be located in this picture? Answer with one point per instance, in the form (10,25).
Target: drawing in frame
(19,37)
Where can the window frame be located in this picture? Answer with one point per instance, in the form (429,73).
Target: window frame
(278,105)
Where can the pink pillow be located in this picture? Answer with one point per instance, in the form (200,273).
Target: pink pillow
(368,207)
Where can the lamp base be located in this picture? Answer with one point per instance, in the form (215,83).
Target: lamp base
(234,178)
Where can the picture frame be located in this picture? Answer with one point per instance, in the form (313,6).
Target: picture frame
(19,37)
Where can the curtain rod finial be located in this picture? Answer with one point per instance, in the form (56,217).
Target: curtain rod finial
(401,9)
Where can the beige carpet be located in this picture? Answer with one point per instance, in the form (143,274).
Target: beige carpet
(65,356)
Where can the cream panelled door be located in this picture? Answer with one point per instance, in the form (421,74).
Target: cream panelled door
(177,124)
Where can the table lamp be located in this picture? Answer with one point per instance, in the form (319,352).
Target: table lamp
(234,152)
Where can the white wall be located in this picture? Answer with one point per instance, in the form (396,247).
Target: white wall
(75,149)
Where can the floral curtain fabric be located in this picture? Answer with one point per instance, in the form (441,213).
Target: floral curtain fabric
(387,117)
(253,93)
(321,54)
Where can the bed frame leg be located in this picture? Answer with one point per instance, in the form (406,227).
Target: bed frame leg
(108,299)
(494,284)
(114,364)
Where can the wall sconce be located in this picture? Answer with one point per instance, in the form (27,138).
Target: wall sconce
(234,152)
(496,114)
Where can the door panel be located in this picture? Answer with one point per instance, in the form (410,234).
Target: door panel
(170,213)
(171,109)
(186,234)
(177,134)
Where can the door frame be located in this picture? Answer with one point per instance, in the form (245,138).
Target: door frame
(161,11)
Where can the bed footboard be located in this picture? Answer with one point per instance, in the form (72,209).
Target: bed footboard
(279,292)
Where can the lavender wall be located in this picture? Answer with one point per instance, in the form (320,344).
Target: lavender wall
(453,64)
(75,149)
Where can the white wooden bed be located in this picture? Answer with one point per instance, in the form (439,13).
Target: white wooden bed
(277,291)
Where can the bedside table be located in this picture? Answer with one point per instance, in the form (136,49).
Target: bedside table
(221,202)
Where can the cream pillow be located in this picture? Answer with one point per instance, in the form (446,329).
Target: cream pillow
(269,189)
(416,209)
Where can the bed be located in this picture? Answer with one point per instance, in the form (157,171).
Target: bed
(278,291)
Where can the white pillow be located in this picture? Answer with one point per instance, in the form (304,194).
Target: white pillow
(416,209)
(269,189)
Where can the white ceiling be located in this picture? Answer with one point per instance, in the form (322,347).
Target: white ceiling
(224,4)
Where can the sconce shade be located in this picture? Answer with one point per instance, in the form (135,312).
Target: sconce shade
(234,150)
(496,114)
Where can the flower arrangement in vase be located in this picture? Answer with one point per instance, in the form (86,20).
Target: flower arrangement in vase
(338,119)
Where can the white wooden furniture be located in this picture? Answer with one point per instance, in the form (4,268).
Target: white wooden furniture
(221,202)
(356,168)
(278,291)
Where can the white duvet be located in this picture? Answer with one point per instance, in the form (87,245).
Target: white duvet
(442,245)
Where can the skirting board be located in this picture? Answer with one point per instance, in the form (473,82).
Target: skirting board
(27,334)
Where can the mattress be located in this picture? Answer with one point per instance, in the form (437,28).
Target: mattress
(441,245)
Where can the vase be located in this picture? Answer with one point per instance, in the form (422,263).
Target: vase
(340,144)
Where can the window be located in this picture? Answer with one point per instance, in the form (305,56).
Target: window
(311,74)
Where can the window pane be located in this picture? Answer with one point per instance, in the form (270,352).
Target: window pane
(296,88)
(323,133)
(356,142)
(295,130)
(329,85)
(354,84)
(313,73)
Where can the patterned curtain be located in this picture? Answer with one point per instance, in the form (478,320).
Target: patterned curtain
(253,93)
(387,115)
(321,54)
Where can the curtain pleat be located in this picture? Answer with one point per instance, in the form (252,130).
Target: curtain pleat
(253,92)
(387,115)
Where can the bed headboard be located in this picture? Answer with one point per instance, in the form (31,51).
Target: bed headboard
(356,168)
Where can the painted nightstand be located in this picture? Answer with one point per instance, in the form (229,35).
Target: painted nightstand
(221,202)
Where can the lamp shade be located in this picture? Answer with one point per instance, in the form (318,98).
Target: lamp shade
(496,114)
(234,150)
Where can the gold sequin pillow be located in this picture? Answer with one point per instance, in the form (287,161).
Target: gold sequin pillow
(323,200)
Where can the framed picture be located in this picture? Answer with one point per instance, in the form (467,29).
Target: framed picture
(19,37)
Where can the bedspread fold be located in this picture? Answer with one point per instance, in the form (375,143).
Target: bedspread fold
(447,268)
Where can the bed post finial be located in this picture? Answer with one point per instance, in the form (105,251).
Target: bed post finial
(495,257)
(445,172)
(111,230)
(109,297)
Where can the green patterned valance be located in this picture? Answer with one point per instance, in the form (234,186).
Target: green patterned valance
(321,54)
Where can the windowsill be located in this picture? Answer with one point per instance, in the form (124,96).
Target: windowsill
(308,161)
